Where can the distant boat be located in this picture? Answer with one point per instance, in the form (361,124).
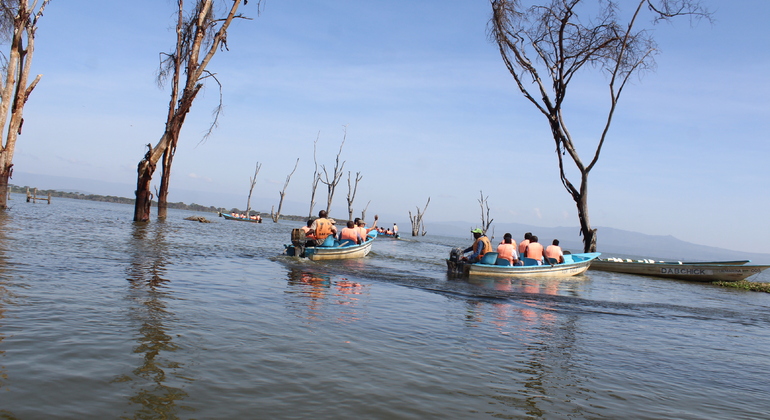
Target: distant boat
(693,271)
(573,265)
(331,250)
(389,235)
(241,219)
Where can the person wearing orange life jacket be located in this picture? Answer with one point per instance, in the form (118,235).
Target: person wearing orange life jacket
(524,243)
(351,233)
(481,246)
(554,251)
(322,227)
(507,249)
(361,225)
(534,250)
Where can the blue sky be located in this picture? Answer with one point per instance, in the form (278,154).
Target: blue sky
(430,111)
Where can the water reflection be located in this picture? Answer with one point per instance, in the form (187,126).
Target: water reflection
(527,312)
(148,290)
(314,295)
(6,296)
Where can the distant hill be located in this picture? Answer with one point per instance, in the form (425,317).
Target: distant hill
(615,242)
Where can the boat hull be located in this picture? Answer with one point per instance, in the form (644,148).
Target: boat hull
(702,272)
(579,264)
(320,253)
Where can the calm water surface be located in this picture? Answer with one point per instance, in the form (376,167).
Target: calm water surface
(104,318)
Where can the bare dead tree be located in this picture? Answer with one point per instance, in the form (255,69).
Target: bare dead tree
(417,222)
(363,212)
(253,182)
(18,23)
(352,188)
(198,37)
(545,46)
(332,181)
(277,214)
(486,221)
(316,176)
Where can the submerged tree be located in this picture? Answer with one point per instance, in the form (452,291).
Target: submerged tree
(352,188)
(316,176)
(252,182)
(18,24)
(276,215)
(486,221)
(545,46)
(199,35)
(416,220)
(332,180)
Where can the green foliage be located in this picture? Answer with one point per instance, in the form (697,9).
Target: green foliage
(745,285)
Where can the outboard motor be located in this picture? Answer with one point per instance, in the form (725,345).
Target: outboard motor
(455,254)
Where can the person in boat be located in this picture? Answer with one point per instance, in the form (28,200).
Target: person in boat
(351,233)
(534,250)
(306,228)
(363,230)
(507,249)
(524,243)
(321,228)
(395,229)
(554,251)
(481,246)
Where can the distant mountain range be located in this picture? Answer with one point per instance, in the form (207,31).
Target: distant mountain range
(610,241)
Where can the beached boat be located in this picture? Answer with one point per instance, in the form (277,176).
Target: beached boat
(573,265)
(330,250)
(694,271)
(241,219)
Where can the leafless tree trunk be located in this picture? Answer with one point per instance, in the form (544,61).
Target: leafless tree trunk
(316,176)
(352,188)
(363,212)
(253,182)
(561,44)
(331,182)
(486,221)
(277,214)
(18,21)
(198,38)
(416,220)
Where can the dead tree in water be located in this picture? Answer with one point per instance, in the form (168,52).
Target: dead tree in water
(277,214)
(253,182)
(417,222)
(352,193)
(363,212)
(486,221)
(331,182)
(199,35)
(316,177)
(18,22)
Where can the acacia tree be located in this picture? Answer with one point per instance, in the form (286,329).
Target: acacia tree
(18,24)
(199,35)
(545,46)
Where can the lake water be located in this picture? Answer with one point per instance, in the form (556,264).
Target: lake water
(103,318)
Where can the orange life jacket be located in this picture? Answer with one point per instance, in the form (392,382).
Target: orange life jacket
(535,251)
(323,228)
(349,233)
(505,251)
(486,246)
(523,246)
(553,251)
